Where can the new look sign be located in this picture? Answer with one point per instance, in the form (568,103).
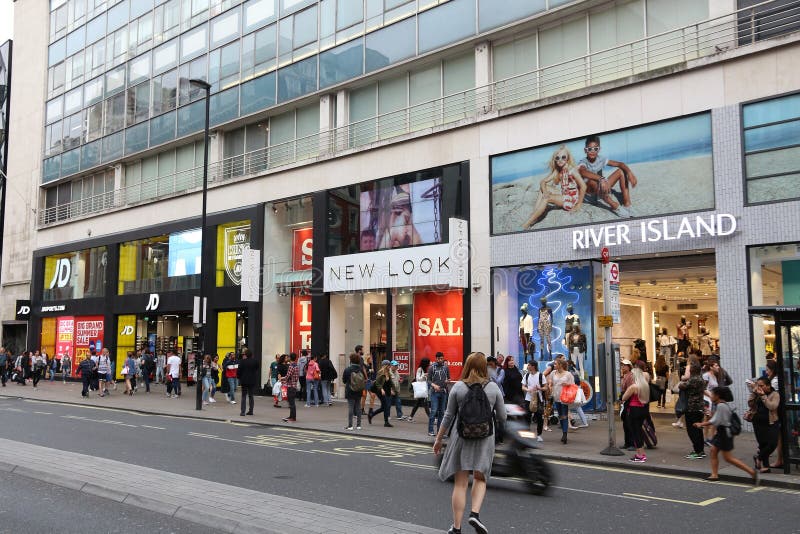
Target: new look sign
(653,231)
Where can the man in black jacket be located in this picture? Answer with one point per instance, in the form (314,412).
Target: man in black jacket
(247,373)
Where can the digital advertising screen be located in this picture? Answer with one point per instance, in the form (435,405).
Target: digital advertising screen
(184,253)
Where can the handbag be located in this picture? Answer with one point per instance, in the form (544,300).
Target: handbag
(420,390)
(661,382)
(125,370)
(568,393)
(580,399)
(276,389)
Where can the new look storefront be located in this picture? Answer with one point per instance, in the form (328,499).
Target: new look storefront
(135,291)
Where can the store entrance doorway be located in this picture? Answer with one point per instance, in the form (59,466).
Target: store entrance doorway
(668,309)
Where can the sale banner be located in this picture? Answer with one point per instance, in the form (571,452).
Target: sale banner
(438,327)
(302,249)
(301,322)
(404,362)
(65,338)
(88,337)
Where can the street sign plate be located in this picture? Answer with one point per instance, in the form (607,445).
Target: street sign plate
(605,321)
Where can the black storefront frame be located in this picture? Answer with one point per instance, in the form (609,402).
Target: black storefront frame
(112,305)
(320,300)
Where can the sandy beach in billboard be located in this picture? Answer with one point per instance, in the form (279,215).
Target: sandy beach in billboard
(666,186)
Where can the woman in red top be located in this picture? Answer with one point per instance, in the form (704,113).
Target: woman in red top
(636,398)
(312,381)
(230,365)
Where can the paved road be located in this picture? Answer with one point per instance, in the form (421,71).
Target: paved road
(33,507)
(391,479)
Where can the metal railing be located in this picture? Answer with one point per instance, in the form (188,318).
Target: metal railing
(744,27)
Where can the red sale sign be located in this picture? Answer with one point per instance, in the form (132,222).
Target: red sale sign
(438,327)
(302,249)
(403,360)
(65,336)
(88,337)
(301,322)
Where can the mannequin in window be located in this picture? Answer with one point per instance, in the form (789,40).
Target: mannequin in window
(526,331)
(705,343)
(570,320)
(683,334)
(666,348)
(576,343)
(545,327)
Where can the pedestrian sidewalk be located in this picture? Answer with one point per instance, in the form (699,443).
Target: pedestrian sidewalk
(583,446)
(219,506)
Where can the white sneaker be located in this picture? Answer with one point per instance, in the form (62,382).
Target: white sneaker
(358,428)
(211,400)
(348,428)
(539,439)
(678,424)
(174,396)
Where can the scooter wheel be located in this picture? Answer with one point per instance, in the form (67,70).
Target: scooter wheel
(537,474)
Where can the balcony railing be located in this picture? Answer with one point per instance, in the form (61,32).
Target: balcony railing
(740,28)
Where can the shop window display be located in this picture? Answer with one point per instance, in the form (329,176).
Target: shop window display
(161,263)
(542,311)
(75,275)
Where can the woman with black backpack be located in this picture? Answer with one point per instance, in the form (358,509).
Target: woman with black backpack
(470,450)
(353,389)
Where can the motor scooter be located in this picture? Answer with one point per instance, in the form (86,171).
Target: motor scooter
(515,454)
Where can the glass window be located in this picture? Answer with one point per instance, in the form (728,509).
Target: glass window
(95,58)
(166,22)
(341,63)
(363,103)
(90,155)
(307,121)
(191,118)
(224,106)
(194,43)
(265,50)
(663,16)
(257,13)
(55,79)
(515,57)
(289,6)
(70,162)
(458,74)
(392,95)
(115,80)
(139,69)
(281,128)
(513,10)
(73,130)
(224,66)
(58,23)
(196,70)
(165,56)
(256,137)
(446,24)
(305,27)
(425,85)
(327,23)
(56,52)
(136,138)
(160,263)
(563,42)
(52,169)
(117,46)
(164,92)
(622,23)
(94,122)
(348,13)
(114,114)
(54,110)
(772,149)
(74,68)
(74,275)
(258,94)
(140,7)
(285,32)
(93,91)
(117,16)
(138,106)
(76,41)
(391,44)
(53,139)
(96,28)
(224,28)
(297,79)
(112,146)
(162,128)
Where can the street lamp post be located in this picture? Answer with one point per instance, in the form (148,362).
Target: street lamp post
(201,334)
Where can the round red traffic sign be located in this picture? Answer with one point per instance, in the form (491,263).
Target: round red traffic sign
(605,255)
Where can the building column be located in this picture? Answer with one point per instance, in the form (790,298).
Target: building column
(327,123)
(340,138)
(483,76)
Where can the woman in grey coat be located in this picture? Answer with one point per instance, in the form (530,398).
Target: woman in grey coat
(464,456)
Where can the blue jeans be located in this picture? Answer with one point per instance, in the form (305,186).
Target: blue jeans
(326,391)
(311,391)
(231,388)
(398,406)
(208,383)
(438,406)
(563,415)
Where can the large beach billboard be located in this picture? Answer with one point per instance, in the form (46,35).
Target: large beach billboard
(653,169)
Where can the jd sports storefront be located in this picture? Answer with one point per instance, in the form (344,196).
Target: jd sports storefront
(136,290)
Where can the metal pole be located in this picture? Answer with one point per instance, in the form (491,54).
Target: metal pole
(611,449)
(201,332)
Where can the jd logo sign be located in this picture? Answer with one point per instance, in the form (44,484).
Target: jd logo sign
(153,303)
(23,310)
(127,331)
(62,273)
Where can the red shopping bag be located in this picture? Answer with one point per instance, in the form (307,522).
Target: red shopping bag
(568,393)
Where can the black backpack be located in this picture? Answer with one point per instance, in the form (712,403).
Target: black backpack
(736,424)
(475,419)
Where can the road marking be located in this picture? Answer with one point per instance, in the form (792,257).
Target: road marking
(13,410)
(707,502)
(154,427)
(330,452)
(103,421)
(647,473)
(756,489)
(211,436)
(433,468)
(44,413)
